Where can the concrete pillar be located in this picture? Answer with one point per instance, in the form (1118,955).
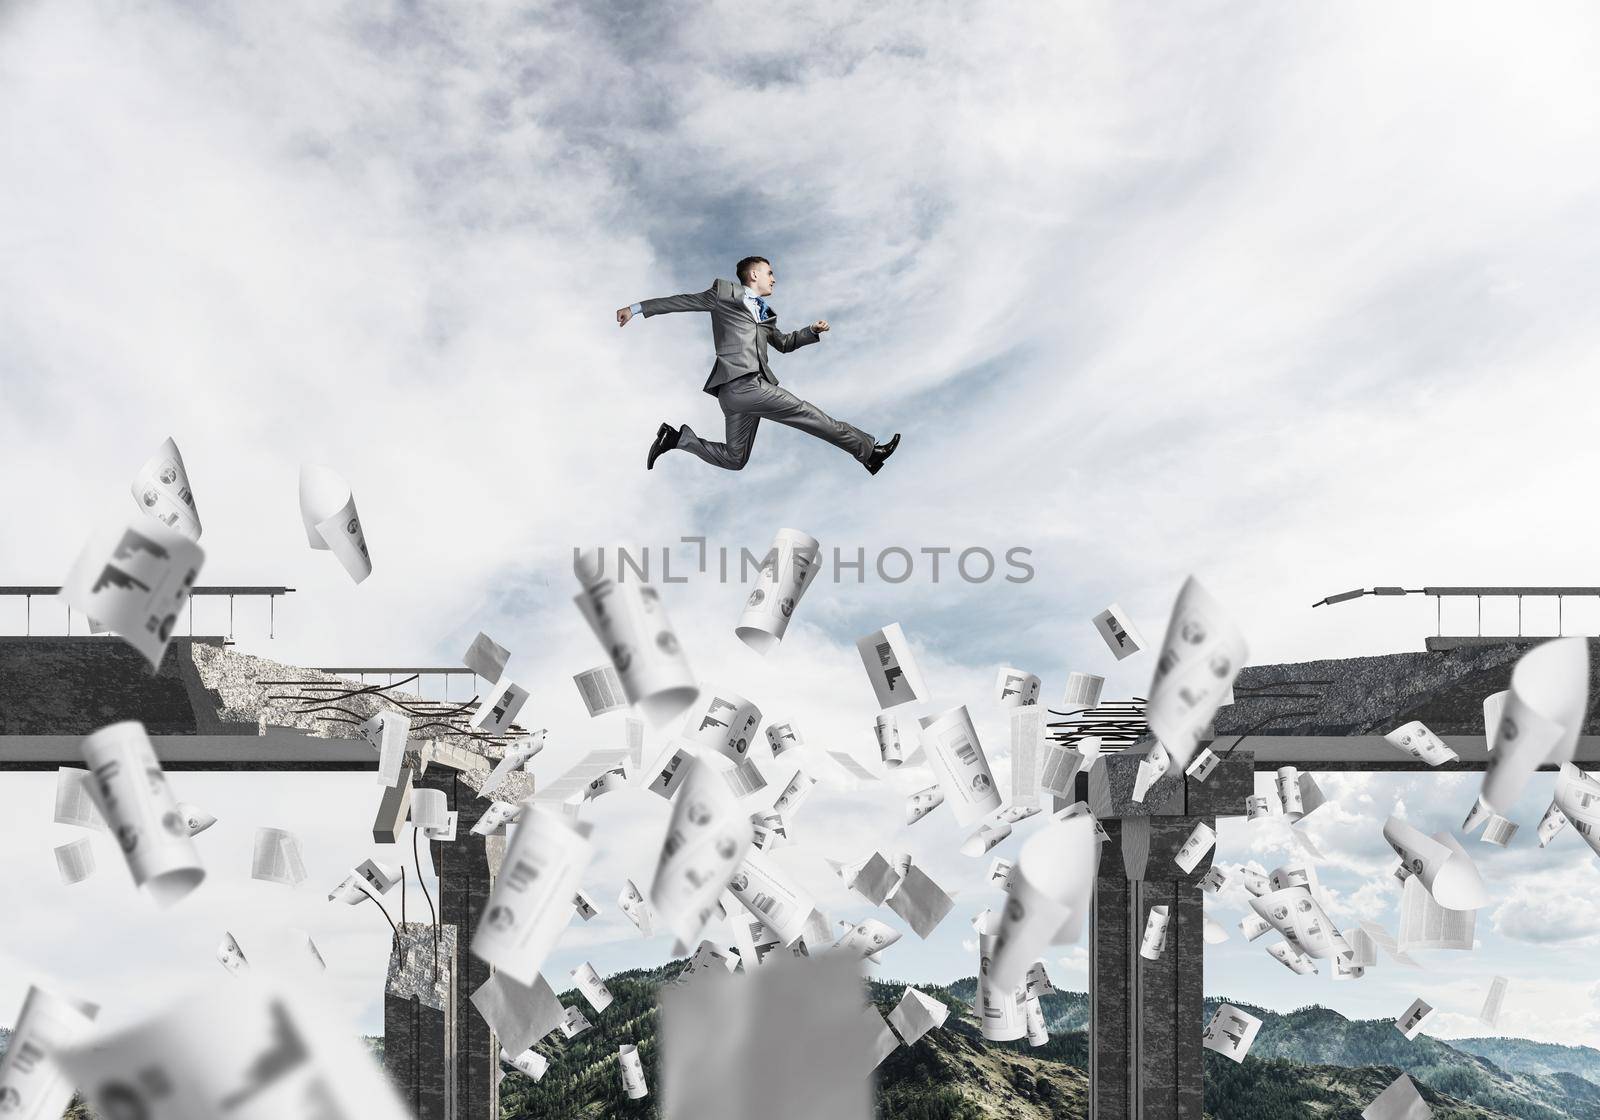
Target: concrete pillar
(419,1019)
(464,884)
(1145,1017)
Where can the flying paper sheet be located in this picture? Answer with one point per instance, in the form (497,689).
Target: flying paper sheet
(1254,926)
(1380,937)
(328,509)
(1000,873)
(1400,1101)
(1311,798)
(303,938)
(1152,768)
(1411,1022)
(1214,880)
(1061,765)
(1037,982)
(1204,763)
(601,690)
(531,901)
(161,489)
(243,1051)
(958,762)
(632,903)
(887,732)
(987,836)
(1494,706)
(794,795)
(230,955)
(1015,688)
(573,1023)
(131,793)
(919,901)
(1255,882)
(517,756)
(1202,838)
(1492,1001)
(791,1041)
(705,841)
(1231,1032)
(32,1086)
(529,1062)
(722,721)
(593,988)
(631,624)
(75,800)
(1551,824)
(1259,805)
(632,1068)
(1440,862)
(387,732)
(1200,656)
(1027,749)
(782,737)
(1416,740)
(195,819)
(1346,969)
(75,861)
(916,1014)
(866,939)
(769,894)
(277,857)
(1033,1019)
(873,878)
(886,656)
(134,577)
(381,877)
(1295,962)
(1052,884)
(1288,785)
(499,708)
(785,574)
(496,817)
(1001,1015)
(519,1014)
(670,773)
(1295,914)
(486,657)
(1213,931)
(584,906)
(1083,691)
(1578,800)
(1541,720)
(1154,942)
(1116,629)
(923,802)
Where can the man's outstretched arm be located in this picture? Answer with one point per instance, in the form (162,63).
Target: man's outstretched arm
(692,301)
(785,341)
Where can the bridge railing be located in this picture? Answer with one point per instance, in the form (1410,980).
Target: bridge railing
(45,616)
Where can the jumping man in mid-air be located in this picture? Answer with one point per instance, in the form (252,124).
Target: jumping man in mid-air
(742,326)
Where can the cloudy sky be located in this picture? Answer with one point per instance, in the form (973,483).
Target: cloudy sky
(1290,298)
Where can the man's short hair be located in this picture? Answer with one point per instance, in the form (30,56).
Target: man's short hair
(742,269)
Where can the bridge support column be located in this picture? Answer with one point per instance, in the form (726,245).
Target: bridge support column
(1146,1017)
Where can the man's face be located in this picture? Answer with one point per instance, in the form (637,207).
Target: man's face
(762,279)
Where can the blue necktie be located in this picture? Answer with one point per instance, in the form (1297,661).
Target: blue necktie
(762,304)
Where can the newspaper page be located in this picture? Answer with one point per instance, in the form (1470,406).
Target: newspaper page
(134,576)
(786,572)
(1083,691)
(1493,1000)
(1116,629)
(706,840)
(1027,745)
(161,488)
(631,625)
(1411,1022)
(1015,688)
(32,1086)
(958,762)
(1231,1032)
(1295,914)
(277,858)
(75,801)
(886,656)
(530,903)
(770,894)
(75,861)
(1416,740)
(593,988)
(328,509)
(1200,656)
(131,793)
(601,690)
(923,802)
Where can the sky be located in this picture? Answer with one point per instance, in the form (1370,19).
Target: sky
(1293,299)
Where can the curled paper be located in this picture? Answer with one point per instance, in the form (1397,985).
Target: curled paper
(1577,800)
(134,577)
(1155,933)
(387,732)
(888,735)
(1440,863)
(782,737)
(785,574)
(771,896)
(1295,914)
(1083,691)
(1202,838)
(705,841)
(958,762)
(923,802)
(1296,962)
(987,836)
(328,509)
(631,625)
(75,861)
(1001,1015)
(1541,719)
(531,902)
(1052,883)
(161,488)
(195,819)
(632,1072)
(1416,740)
(1200,656)
(1015,688)
(529,1062)
(231,955)
(1117,630)
(1231,1032)
(131,792)
(886,656)
(32,1085)
(1411,1022)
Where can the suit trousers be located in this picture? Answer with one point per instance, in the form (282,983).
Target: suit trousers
(748,400)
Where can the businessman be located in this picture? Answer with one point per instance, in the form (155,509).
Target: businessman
(743,326)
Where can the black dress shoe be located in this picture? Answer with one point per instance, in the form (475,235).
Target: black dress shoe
(666,439)
(880,452)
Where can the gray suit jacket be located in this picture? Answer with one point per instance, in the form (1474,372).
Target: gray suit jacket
(741,341)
